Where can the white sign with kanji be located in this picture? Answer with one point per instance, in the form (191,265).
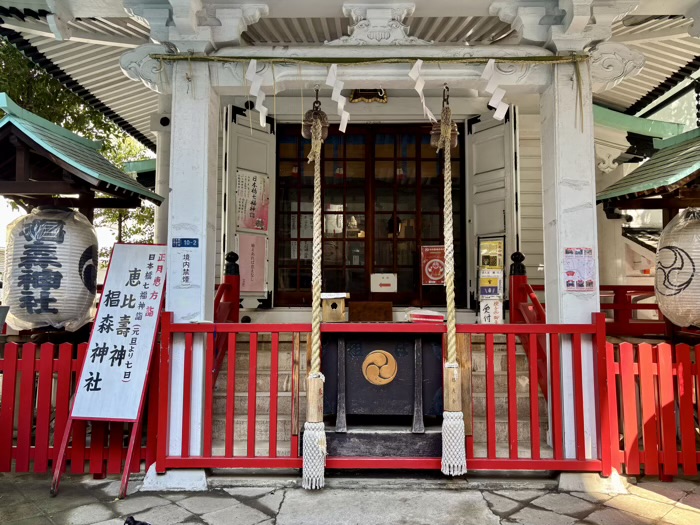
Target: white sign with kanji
(114,374)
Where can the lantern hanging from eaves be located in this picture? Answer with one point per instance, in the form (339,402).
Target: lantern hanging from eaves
(50,270)
(677,283)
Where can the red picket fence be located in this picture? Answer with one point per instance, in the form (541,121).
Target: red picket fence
(224,455)
(37,387)
(230,451)
(654,400)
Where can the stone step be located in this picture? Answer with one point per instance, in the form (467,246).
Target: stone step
(262,448)
(522,383)
(262,382)
(500,362)
(502,430)
(262,405)
(523,402)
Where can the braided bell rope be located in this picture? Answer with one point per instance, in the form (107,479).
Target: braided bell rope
(445,143)
(317,253)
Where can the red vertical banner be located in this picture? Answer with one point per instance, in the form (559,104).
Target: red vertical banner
(432,263)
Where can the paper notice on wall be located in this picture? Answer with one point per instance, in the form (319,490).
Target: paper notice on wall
(252,200)
(579,270)
(252,250)
(433,265)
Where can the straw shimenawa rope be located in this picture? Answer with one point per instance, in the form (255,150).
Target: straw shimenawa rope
(454,461)
(314,448)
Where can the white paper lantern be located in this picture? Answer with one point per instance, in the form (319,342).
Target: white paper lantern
(50,270)
(677,283)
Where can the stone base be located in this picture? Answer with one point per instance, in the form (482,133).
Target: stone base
(592,482)
(190,480)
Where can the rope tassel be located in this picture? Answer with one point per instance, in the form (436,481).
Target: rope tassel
(315,456)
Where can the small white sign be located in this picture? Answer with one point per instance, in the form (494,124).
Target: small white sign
(113,377)
(491,311)
(383,282)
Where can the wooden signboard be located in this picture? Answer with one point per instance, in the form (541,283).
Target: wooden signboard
(113,376)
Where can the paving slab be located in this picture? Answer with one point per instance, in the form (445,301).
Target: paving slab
(521,495)
(240,515)
(500,505)
(593,497)
(665,492)
(613,517)
(19,510)
(640,506)
(679,516)
(165,515)
(564,504)
(35,520)
(209,503)
(530,516)
(84,515)
(381,507)
(138,503)
(692,500)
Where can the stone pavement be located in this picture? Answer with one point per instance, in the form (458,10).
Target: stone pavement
(25,500)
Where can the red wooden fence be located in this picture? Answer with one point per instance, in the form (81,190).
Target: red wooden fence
(37,387)
(654,400)
(223,453)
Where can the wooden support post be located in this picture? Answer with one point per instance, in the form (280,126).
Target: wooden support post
(453,389)
(314,400)
(296,377)
(341,424)
(418,424)
(464,358)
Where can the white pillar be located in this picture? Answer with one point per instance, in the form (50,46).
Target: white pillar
(194,127)
(569,209)
(160,125)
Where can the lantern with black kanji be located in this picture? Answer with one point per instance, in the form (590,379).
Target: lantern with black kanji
(50,270)
(677,283)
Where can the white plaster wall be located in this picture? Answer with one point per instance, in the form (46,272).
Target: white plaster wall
(531,225)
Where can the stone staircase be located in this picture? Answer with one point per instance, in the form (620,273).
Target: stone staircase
(284,397)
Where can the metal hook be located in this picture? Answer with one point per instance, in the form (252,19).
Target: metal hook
(381,90)
(445,95)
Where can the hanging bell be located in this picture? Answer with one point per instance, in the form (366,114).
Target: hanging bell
(310,116)
(436,130)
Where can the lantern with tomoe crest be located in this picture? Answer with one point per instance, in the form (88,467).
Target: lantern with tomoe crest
(50,270)
(677,283)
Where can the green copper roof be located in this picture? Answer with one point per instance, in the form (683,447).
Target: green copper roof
(642,126)
(80,153)
(676,163)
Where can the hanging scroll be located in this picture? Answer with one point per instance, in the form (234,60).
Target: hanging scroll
(252,201)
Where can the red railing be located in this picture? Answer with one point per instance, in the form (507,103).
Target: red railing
(227,307)
(38,383)
(224,455)
(525,308)
(625,309)
(654,400)
(228,452)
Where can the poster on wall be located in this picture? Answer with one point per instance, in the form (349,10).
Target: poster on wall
(579,270)
(252,200)
(432,263)
(490,284)
(491,253)
(113,377)
(252,250)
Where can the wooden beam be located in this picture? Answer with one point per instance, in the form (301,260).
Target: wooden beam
(657,204)
(72,202)
(37,188)
(22,167)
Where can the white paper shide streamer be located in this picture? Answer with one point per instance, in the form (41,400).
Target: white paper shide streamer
(337,85)
(415,75)
(256,80)
(496,93)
